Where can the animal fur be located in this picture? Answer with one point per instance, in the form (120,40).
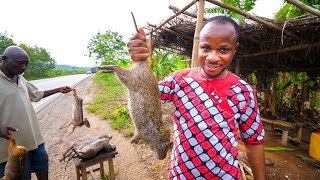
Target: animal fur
(77,113)
(88,148)
(144,106)
(16,163)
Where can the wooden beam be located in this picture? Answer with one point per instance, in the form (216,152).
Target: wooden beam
(292,48)
(172,32)
(175,15)
(255,18)
(267,48)
(195,48)
(304,7)
(175,9)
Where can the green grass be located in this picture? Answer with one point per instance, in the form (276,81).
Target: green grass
(108,103)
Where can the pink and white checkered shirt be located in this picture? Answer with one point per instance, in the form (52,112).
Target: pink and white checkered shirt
(207,117)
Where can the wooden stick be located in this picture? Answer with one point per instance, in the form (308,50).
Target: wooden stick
(304,7)
(175,15)
(175,9)
(254,18)
(292,48)
(135,23)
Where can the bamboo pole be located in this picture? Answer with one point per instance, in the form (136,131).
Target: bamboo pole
(304,7)
(175,9)
(195,49)
(292,48)
(255,18)
(175,15)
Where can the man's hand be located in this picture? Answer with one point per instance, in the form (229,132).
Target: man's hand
(138,47)
(5,131)
(65,89)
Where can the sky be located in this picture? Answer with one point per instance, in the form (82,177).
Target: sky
(64,27)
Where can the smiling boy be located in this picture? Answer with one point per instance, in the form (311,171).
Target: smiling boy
(211,105)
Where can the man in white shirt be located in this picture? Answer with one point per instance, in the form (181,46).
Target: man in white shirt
(17,112)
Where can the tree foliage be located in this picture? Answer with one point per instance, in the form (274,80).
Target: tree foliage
(5,42)
(245,5)
(290,11)
(165,62)
(107,48)
(40,61)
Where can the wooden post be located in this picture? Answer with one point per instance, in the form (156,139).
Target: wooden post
(285,137)
(101,170)
(84,173)
(111,172)
(195,49)
(299,133)
(274,93)
(237,70)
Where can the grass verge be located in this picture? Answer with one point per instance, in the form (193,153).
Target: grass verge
(111,103)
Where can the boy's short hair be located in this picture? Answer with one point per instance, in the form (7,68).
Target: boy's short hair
(223,20)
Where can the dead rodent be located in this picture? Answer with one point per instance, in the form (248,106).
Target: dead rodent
(77,113)
(144,106)
(16,164)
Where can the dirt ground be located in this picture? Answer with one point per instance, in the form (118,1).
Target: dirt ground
(137,162)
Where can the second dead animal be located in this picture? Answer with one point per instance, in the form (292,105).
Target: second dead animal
(77,112)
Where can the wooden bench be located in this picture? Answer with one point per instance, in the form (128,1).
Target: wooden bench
(286,126)
(82,164)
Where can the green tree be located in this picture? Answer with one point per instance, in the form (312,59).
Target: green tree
(40,61)
(290,11)
(107,48)
(5,42)
(245,5)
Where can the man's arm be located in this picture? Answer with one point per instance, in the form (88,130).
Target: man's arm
(255,155)
(64,89)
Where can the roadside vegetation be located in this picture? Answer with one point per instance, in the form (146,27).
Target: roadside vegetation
(110,103)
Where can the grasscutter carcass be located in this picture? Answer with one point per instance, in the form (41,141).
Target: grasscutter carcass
(144,106)
(16,164)
(88,147)
(77,112)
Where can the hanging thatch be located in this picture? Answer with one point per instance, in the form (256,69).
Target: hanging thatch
(260,48)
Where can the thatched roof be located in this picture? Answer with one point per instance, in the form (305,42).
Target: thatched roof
(260,48)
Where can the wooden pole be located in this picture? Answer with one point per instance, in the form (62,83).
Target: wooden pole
(195,49)
(255,18)
(304,7)
(175,9)
(274,93)
(175,15)
(237,70)
(292,48)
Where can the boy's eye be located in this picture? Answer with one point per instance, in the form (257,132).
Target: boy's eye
(224,50)
(205,48)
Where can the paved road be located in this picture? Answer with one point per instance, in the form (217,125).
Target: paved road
(50,83)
